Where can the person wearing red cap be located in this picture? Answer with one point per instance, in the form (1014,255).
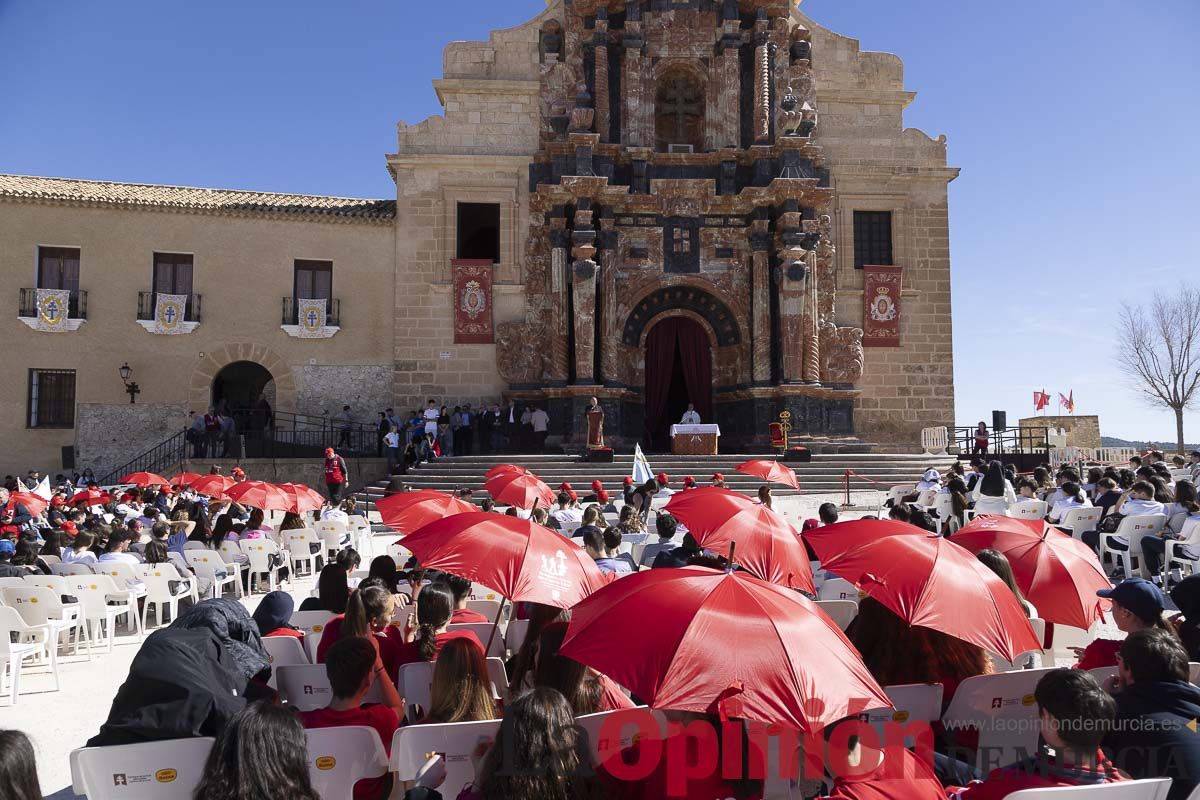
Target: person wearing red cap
(664,485)
(336,473)
(689,483)
(627,489)
(566,487)
(718,480)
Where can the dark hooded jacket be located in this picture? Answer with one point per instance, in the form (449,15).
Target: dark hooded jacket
(233,625)
(1187,598)
(1155,735)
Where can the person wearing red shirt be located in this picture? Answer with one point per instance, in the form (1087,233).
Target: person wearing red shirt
(1136,604)
(427,632)
(461,588)
(273,614)
(368,615)
(353,665)
(893,773)
(1074,715)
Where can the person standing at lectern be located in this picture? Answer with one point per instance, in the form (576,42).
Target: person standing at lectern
(595,425)
(691,416)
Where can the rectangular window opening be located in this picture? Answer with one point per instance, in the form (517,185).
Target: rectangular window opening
(479,232)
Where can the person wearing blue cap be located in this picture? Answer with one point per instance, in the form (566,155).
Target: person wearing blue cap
(7,568)
(1137,604)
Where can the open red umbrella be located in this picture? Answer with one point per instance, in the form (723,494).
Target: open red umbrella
(930,581)
(144,479)
(35,503)
(260,494)
(212,485)
(697,639)
(303,498)
(502,468)
(185,478)
(519,559)
(522,490)
(1057,573)
(407,511)
(767,546)
(829,541)
(93,497)
(770,470)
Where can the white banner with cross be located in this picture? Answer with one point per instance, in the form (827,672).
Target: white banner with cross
(169,312)
(53,309)
(311,316)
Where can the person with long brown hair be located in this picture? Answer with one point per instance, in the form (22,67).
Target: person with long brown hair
(585,689)
(997,562)
(899,653)
(461,690)
(428,626)
(368,615)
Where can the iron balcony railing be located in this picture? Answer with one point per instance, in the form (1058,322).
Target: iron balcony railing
(333,312)
(1002,441)
(147,301)
(282,434)
(77,308)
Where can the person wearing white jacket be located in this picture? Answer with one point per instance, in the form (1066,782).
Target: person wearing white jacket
(993,493)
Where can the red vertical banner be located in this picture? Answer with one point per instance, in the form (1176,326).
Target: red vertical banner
(472,301)
(881,306)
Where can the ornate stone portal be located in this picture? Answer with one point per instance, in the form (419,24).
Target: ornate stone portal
(679,173)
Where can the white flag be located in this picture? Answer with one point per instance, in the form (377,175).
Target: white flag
(641,467)
(311,317)
(42,490)
(53,309)
(169,312)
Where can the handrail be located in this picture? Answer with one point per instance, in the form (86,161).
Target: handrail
(160,456)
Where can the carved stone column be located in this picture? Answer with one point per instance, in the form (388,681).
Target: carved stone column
(560,239)
(762,79)
(791,279)
(583,240)
(610,335)
(728,72)
(811,322)
(600,54)
(760,288)
(638,108)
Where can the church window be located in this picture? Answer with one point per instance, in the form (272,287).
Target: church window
(51,398)
(479,231)
(872,238)
(679,111)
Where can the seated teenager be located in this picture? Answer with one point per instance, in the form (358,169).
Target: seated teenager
(566,515)
(592,519)
(1074,715)
(352,666)
(612,543)
(1107,495)
(1072,497)
(461,690)
(1138,502)
(1136,604)
(585,689)
(261,752)
(333,591)
(1026,490)
(993,493)
(461,589)
(593,542)
(428,629)
(678,556)
(520,667)
(368,615)
(273,616)
(667,527)
(1155,705)
(384,569)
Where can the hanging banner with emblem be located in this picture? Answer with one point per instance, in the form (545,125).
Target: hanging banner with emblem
(169,312)
(881,306)
(472,301)
(311,317)
(53,309)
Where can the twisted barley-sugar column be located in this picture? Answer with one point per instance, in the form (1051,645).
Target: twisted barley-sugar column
(812,341)
(601,57)
(762,92)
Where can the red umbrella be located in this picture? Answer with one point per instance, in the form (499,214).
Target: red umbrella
(522,490)
(185,478)
(1057,573)
(35,503)
(500,469)
(519,559)
(697,639)
(930,581)
(211,485)
(302,497)
(407,511)
(767,546)
(260,494)
(832,540)
(770,470)
(93,497)
(144,479)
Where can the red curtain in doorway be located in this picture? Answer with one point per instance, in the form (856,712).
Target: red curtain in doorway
(685,338)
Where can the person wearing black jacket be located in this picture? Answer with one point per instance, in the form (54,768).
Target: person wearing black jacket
(1154,735)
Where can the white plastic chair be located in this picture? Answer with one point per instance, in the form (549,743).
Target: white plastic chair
(483,593)
(337,757)
(13,654)
(839,589)
(284,651)
(158,578)
(895,494)
(1102,674)
(943,504)
(166,770)
(1067,637)
(912,702)
(456,741)
(489,608)
(842,612)
(16,583)
(400,554)
(332,533)
(514,636)
(297,543)
(599,742)
(1132,529)
(212,567)
(1189,536)
(305,687)
(69,570)
(483,630)
(1081,520)
(1028,509)
(259,551)
(1148,789)
(62,587)
(1031,659)
(416,683)
(1003,709)
(235,560)
(127,579)
(94,593)
(313,624)
(50,560)
(41,606)
(360,531)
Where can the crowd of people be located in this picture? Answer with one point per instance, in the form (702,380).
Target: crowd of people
(441,431)
(393,614)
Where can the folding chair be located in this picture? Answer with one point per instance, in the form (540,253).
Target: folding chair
(212,567)
(338,757)
(455,741)
(284,651)
(259,551)
(1028,509)
(839,589)
(1003,710)
(299,552)
(604,747)
(1081,520)
(40,606)
(1132,529)
(312,623)
(13,654)
(841,612)
(95,593)
(911,702)
(483,630)
(166,770)
(1148,789)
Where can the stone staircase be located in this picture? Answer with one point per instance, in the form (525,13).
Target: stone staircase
(823,475)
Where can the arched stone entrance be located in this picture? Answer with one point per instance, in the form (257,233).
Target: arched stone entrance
(242,386)
(679,371)
(204,376)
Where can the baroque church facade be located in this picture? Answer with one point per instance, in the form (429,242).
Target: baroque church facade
(653,202)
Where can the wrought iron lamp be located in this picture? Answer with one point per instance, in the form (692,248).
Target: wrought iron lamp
(126,372)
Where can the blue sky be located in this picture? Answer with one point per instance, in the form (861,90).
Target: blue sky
(1074,124)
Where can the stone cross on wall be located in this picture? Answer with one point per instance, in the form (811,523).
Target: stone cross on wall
(169,313)
(312,319)
(681,102)
(52,310)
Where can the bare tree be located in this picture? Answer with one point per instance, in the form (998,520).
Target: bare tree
(1160,350)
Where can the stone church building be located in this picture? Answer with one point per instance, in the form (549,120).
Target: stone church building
(653,202)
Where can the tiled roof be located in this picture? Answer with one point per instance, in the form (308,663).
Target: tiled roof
(204,201)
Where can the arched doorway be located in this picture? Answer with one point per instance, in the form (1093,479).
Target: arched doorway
(242,386)
(678,371)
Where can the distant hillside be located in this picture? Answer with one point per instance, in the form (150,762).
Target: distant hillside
(1112,441)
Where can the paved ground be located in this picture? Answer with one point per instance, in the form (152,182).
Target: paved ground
(60,721)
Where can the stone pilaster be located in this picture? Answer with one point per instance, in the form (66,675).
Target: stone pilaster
(727,68)
(583,287)
(610,330)
(791,283)
(560,239)
(760,287)
(637,121)
(600,54)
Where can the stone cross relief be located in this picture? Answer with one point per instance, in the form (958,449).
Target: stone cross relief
(682,102)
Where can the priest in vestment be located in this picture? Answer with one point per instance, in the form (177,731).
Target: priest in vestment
(595,423)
